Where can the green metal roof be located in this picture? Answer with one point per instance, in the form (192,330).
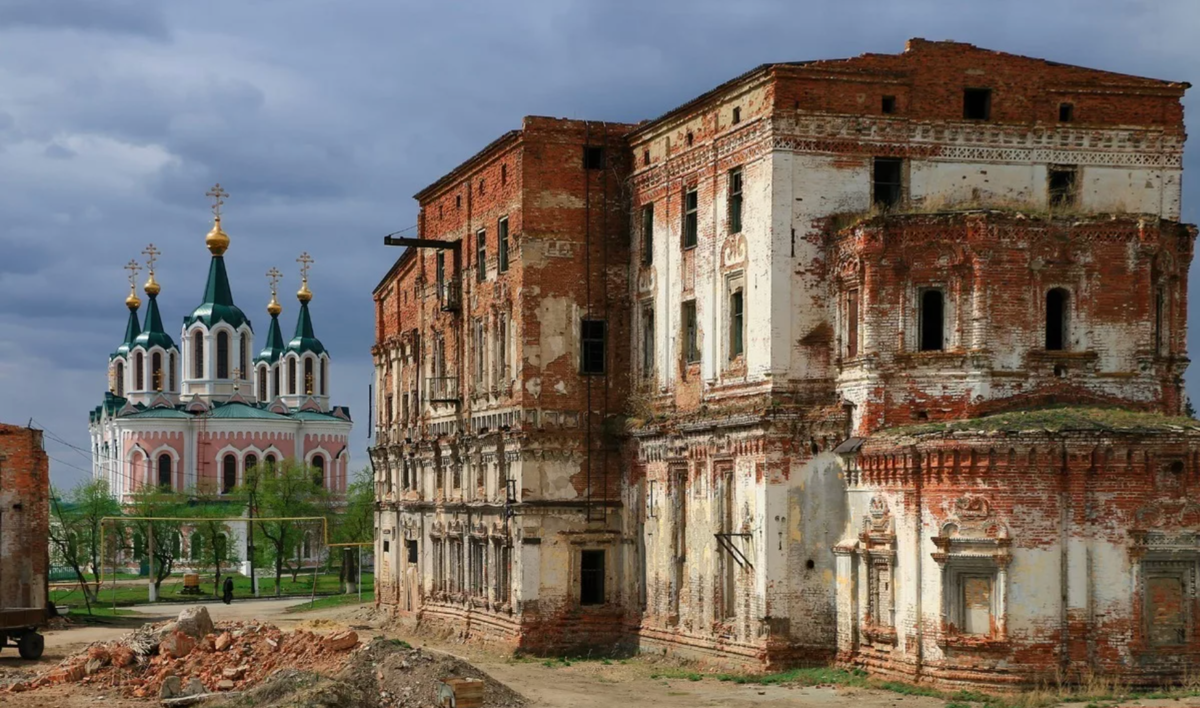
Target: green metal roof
(314,415)
(241,410)
(159,413)
(153,334)
(274,347)
(218,300)
(132,330)
(304,341)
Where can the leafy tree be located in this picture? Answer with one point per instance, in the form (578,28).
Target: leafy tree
(355,524)
(151,501)
(212,534)
(75,530)
(284,490)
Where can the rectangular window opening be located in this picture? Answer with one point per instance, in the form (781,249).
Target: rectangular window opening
(737,324)
(886,182)
(691,348)
(593,157)
(977,104)
(932,324)
(502,244)
(648,234)
(1062,185)
(977,604)
(1066,113)
(481,255)
(648,342)
(592,334)
(735,201)
(691,224)
(889,104)
(591,577)
(411,547)
(852,324)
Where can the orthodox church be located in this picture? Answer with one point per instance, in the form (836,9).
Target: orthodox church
(194,416)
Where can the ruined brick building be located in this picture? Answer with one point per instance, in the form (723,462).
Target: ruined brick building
(876,361)
(24,538)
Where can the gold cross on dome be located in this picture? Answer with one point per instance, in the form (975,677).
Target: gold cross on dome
(151,253)
(133,267)
(305,261)
(218,196)
(274,276)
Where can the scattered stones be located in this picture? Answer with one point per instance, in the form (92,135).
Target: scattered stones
(225,685)
(223,641)
(176,645)
(171,687)
(195,622)
(341,641)
(194,687)
(234,673)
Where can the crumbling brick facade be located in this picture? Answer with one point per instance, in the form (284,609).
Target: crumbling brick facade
(822,257)
(24,527)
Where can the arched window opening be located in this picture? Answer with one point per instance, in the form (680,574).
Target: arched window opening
(251,463)
(275,382)
(269,461)
(220,547)
(932,321)
(228,473)
(164,470)
(195,546)
(121,379)
(318,464)
(138,469)
(156,372)
(262,383)
(198,355)
(139,372)
(243,362)
(222,355)
(1057,300)
(171,373)
(292,376)
(324,378)
(308,376)
(177,546)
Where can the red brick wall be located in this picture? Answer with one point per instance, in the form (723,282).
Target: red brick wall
(24,517)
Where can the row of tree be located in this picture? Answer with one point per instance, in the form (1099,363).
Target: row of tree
(273,495)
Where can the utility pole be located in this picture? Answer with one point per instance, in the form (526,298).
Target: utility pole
(150,552)
(250,536)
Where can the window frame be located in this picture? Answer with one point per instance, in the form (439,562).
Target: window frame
(502,244)
(921,318)
(593,157)
(648,337)
(737,321)
(601,340)
(976,92)
(1066,194)
(893,197)
(887,105)
(648,234)
(689,317)
(1064,325)
(691,217)
(481,255)
(598,590)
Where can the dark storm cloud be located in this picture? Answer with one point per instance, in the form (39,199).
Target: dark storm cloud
(138,17)
(322,119)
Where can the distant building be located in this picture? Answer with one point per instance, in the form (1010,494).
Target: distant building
(891,370)
(24,531)
(195,417)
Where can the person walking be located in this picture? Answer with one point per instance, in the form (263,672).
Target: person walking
(227,590)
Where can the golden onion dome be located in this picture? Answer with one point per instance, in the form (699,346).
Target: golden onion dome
(304,294)
(152,287)
(132,302)
(273,307)
(217,240)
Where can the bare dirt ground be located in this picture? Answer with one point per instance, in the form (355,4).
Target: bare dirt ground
(579,684)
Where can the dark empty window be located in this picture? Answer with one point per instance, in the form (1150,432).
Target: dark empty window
(481,255)
(591,577)
(886,182)
(647,234)
(591,336)
(411,547)
(139,372)
(250,462)
(292,376)
(852,324)
(691,224)
(735,201)
(386,546)
(318,465)
(164,470)
(503,174)
(888,104)
(228,474)
(1056,319)
(457,201)
(262,383)
(222,355)
(932,321)
(647,341)
(691,347)
(1066,113)
(593,157)
(1062,185)
(502,245)
(198,355)
(737,114)
(308,377)
(156,372)
(690,139)
(977,104)
(120,379)
(645,157)
(1160,321)
(737,323)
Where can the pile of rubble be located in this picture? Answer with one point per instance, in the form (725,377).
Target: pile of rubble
(190,657)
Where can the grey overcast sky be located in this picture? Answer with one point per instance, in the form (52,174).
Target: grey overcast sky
(323,118)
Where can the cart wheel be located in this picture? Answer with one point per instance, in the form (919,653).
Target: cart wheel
(30,645)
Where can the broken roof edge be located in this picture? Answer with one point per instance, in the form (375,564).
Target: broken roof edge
(1055,420)
(1032,214)
(467,166)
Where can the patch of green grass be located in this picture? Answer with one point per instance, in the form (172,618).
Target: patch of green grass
(677,674)
(956,704)
(328,601)
(104,611)
(171,589)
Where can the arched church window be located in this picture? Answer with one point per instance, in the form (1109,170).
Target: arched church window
(308,376)
(324,378)
(243,362)
(292,376)
(198,355)
(318,464)
(1057,300)
(164,470)
(156,372)
(262,384)
(139,372)
(228,473)
(195,546)
(171,373)
(222,355)
(275,381)
(251,462)
(269,461)
(121,379)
